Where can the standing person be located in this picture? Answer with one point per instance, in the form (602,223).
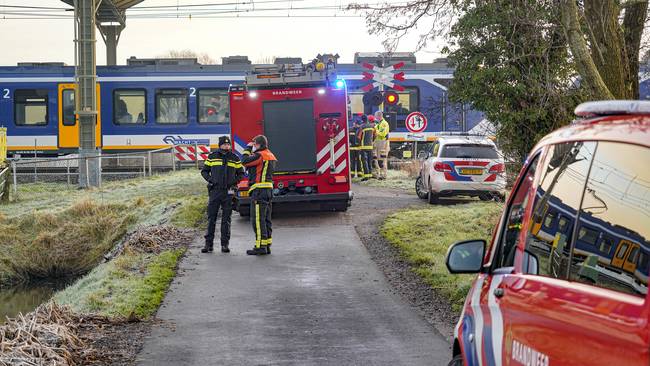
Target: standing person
(355,156)
(373,166)
(381,144)
(366,136)
(260,162)
(223,170)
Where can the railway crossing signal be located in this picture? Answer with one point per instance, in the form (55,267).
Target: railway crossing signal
(383,76)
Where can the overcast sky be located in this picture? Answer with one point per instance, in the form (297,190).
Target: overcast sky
(287,34)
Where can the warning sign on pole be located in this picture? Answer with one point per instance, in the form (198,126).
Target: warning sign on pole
(416,122)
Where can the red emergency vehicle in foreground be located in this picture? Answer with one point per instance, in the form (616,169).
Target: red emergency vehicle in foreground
(565,280)
(302,110)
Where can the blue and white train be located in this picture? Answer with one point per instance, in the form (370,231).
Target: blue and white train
(144,107)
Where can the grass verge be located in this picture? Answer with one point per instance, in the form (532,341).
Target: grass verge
(132,285)
(423,236)
(397,179)
(50,230)
(46,245)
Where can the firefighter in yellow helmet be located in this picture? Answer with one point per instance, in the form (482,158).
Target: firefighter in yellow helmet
(381,145)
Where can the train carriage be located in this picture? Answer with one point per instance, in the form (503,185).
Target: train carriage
(150,104)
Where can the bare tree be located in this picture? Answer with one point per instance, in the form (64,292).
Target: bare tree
(427,18)
(604,36)
(265,60)
(202,58)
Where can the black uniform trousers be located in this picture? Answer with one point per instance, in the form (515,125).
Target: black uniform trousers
(355,158)
(366,161)
(219,198)
(261,216)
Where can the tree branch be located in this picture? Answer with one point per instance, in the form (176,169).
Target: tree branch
(591,78)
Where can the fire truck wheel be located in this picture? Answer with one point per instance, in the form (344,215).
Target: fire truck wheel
(244,211)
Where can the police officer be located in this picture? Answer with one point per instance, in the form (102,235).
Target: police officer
(223,170)
(366,136)
(260,163)
(381,145)
(355,156)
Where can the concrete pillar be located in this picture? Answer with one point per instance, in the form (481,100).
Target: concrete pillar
(86,80)
(111,32)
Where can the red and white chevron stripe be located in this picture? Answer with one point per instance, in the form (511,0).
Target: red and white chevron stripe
(189,153)
(340,155)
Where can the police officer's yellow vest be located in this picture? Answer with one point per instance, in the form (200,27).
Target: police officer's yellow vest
(382,130)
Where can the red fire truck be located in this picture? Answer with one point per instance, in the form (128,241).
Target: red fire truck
(301,109)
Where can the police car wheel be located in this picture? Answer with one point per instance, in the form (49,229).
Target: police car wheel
(419,188)
(456,361)
(432,198)
(485,197)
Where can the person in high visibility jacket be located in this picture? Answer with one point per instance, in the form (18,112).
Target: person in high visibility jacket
(381,145)
(355,156)
(366,136)
(222,170)
(260,163)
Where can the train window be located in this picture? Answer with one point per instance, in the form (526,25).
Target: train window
(562,180)
(356,103)
(622,250)
(563,224)
(171,106)
(634,255)
(30,107)
(616,201)
(213,106)
(519,203)
(548,221)
(68,106)
(606,245)
(409,101)
(129,106)
(588,236)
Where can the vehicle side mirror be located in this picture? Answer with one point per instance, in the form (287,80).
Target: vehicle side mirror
(466,256)
(423,155)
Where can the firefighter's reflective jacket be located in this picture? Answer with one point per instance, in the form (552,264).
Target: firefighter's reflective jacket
(222,170)
(366,136)
(353,136)
(260,165)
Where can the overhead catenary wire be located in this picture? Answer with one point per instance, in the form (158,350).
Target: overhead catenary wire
(200,11)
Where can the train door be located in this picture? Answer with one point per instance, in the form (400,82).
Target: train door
(623,255)
(68,121)
(631,260)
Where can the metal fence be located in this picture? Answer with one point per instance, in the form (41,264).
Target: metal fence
(65,169)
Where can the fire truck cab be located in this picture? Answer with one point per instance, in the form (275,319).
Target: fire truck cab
(301,109)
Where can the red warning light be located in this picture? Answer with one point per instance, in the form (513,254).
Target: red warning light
(391,98)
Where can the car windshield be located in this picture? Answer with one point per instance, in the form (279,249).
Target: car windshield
(469,151)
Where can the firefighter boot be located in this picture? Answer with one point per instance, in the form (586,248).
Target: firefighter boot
(268,249)
(224,248)
(256,251)
(208,248)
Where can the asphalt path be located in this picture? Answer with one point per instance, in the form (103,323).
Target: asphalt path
(319,299)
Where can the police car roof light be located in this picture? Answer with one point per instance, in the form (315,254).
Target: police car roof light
(612,107)
(340,83)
